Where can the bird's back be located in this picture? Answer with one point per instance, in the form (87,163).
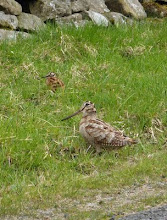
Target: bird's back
(97,132)
(54,83)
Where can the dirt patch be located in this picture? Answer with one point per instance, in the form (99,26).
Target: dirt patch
(100,201)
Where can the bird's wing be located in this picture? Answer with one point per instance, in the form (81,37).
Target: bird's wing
(118,132)
(104,134)
(60,82)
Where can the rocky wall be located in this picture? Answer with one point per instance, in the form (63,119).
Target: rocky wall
(25,16)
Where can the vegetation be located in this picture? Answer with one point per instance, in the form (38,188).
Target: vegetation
(44,163)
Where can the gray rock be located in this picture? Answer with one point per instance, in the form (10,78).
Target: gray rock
(93,5)
(50,9)
(154,9)
(74,19)
(81,23)
(117,18)
(8,21)
(143,1)
(98,18)
(12,35)
(79,6)
(77,17)
(10,7)
(161,0)
(131,8)
(29,22)
(97,6)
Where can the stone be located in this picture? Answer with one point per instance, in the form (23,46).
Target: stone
(29,22)
(97,6)
(131,8)
(77,17)
(156,10)
(93,5)
(50,9)
(12,35)
(143,1)
(117,18)
(79,6)
(8,21)
(98,18)
(80,24)
(10,7)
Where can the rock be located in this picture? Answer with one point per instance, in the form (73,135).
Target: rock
(74,19)
(117,18)
(77,17)
(156,10)
(10,7)
(97,6)
(8,21)
(98,18)
(79,24)
(12,35)
(50,9)
(93,5)
(161,1)
(29,22)
(131,8)
(143,1)
(79,6)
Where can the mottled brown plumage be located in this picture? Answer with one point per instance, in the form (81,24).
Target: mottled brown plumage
(53,82)
(98,133)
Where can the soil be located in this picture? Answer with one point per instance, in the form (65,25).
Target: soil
(114,205)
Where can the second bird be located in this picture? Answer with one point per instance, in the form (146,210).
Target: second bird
(53,82)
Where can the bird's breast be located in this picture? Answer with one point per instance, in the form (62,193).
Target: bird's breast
(82,127)
(83,131)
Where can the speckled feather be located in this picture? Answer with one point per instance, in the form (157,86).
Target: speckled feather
(53,82)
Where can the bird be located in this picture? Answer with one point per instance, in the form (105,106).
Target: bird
(98,133)
(53,82)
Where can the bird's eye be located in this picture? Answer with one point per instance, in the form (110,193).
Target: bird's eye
(86,103)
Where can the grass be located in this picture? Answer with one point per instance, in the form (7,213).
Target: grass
(43,161)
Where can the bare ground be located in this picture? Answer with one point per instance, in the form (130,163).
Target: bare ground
(116,204)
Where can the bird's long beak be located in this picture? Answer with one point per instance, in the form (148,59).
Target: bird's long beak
(43,76)
(70,116)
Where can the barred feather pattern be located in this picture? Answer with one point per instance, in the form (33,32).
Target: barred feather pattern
(53,82)
(101,134)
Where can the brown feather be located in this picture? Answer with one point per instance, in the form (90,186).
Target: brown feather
(53,82)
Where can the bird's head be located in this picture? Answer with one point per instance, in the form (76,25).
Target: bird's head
(88,108)
(51,74)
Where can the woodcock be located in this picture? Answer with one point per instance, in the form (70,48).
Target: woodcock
(98,133)
(53,82)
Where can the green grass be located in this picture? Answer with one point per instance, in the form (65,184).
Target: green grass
(43,161)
